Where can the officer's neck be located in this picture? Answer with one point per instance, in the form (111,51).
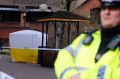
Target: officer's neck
(111,31)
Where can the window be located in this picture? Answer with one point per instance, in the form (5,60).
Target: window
(10,16)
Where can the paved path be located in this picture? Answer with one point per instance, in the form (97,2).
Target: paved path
(25,70)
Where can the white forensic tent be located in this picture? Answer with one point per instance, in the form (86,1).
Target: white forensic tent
(26,39)
(5,76)
(21,41)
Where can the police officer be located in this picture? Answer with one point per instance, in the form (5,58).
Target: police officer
(94,55)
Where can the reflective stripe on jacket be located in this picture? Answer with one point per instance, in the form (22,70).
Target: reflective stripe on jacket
(80,58)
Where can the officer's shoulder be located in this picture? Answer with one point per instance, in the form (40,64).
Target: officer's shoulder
(90,32)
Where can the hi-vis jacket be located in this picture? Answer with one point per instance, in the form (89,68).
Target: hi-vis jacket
(80,58)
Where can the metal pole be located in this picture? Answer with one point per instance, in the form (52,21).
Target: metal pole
(47,24)
(55,29)
(68,33)
(78,28)
(42,33)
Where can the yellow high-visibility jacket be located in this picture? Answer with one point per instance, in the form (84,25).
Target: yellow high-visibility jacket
(80,58)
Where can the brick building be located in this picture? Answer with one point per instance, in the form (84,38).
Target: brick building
(83,7)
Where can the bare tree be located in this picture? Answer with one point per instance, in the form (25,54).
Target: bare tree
(65,4)
(68,4)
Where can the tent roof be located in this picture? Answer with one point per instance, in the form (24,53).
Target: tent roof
(26,32)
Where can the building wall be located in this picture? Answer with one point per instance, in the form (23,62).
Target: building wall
(84,10)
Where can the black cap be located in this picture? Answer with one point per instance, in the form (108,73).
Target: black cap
(110,3)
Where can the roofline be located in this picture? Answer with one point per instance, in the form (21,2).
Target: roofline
(17,8)
(62,19)
(9,9)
